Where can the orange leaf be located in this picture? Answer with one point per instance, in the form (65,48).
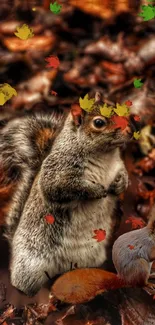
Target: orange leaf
(54,93)
(119,122)
(135,222)
(100,235)
(53,61)
(81,285)
(136,118)
(131,246)
(49,219)
(128,103)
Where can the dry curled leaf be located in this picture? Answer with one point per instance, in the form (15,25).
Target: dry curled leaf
(37,43)
(99,8)
(8,313)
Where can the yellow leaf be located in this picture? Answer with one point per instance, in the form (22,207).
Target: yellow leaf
(24,32)
(7,92)
(106,111)
(121,110)
(2,99)
(136,135)
(86,103)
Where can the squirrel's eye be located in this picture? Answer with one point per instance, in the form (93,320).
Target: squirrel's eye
(99,123)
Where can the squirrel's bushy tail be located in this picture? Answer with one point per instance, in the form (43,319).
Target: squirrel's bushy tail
(24,143)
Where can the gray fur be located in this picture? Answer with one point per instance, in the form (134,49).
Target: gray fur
(133,265)
(71,186)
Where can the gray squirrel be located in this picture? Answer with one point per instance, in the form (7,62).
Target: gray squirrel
(133,254)
(68,167)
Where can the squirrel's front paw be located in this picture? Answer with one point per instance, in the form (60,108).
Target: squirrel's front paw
(100,191)
(120,184)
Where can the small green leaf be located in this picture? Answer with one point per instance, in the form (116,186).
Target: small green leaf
(138,83)
(55,7)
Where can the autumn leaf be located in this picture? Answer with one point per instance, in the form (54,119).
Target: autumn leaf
(128,103)
(2,99)
(100,235)
(131,247)
(54,93)
(136,135)
(24,32)
(135,222)
(136,118)
(6,92)
(119,122)
(153,297)
(121,110)
(49,219)
(86,103)
(106,111)
(53,61)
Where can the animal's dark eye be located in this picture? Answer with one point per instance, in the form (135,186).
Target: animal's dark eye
(99,123)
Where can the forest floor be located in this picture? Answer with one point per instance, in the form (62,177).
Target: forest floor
(96,54)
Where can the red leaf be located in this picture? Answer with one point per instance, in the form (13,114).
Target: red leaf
(119,122)
(154,297)
(136,118)
(53,61)
(135,222)
(131,246)
(54,93)
(100,235)
(49,219)
(128,103)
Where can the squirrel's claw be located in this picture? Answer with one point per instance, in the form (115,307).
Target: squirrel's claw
(150,288)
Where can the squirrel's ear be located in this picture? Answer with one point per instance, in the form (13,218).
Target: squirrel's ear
(77,114)
(98,97)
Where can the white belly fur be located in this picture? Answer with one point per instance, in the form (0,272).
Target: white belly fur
(88,216)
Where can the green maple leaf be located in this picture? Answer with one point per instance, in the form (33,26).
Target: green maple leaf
(121,110)
(106,111)
(138,83)
(148,12)
(55,7)
(86,103)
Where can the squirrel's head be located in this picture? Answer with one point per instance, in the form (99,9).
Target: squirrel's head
(100,132)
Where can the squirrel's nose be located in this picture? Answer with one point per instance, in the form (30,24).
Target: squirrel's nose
(135,124)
